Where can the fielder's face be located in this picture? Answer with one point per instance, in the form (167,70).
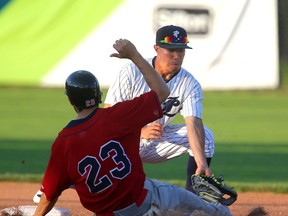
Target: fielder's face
(168,60)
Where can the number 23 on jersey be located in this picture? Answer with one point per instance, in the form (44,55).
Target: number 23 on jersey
(94,181)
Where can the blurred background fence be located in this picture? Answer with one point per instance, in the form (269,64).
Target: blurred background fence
(283,38)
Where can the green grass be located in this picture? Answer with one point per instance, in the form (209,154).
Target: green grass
(250,129)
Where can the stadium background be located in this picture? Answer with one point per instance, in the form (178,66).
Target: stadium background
(42,42)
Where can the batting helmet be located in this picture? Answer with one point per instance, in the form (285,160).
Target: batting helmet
(83,90)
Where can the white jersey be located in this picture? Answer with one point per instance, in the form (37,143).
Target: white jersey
(185,98)
(185,92)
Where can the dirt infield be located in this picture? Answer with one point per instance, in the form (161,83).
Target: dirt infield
(13,194)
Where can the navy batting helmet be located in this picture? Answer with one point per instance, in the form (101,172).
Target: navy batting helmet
(83,90)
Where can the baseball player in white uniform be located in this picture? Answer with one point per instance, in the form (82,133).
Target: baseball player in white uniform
(161,140)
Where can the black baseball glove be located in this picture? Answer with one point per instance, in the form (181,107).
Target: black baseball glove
(212,189)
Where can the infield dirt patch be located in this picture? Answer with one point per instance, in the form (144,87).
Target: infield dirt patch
(15,194)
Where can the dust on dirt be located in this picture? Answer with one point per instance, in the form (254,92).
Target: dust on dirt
(16,194)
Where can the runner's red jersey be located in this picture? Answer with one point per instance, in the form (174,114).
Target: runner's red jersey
(100,155)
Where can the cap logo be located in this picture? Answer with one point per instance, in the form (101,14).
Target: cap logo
(176,33)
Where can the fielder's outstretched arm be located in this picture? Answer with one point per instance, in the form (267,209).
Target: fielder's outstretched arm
(196,136)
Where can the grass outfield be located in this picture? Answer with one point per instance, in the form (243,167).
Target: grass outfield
(250,129)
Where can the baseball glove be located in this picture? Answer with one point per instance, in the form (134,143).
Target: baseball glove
(212,189)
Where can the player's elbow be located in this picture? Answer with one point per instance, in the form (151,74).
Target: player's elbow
(107,105)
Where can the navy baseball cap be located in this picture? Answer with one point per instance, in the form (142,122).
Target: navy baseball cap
(172,37)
